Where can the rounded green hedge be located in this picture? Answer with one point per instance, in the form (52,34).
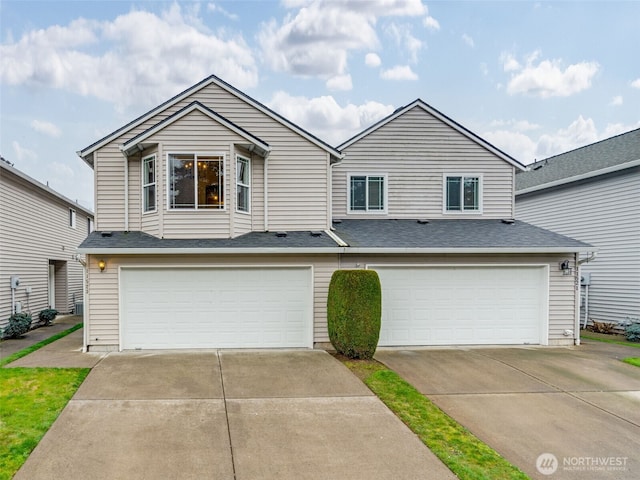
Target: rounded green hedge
(354,310)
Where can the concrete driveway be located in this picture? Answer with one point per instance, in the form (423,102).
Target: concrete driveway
(226,415)
(580,406)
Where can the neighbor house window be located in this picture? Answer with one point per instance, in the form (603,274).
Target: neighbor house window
(462,193)
(243,183)
(367,193)
(72,218)
(196,181)
(149,184)
(89,225)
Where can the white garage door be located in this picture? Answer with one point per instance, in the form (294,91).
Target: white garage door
(216,307)
(463,305)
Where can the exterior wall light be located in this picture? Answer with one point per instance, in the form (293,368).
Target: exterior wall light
(566,268)
(102,265)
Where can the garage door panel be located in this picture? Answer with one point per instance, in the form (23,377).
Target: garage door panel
(216,307)
(462,305)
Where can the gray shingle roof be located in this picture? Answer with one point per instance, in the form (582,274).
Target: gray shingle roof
(143,241)
(607,153)
(441,234)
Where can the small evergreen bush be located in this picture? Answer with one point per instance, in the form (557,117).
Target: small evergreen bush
(19,324)
(632,332)
(354,310)
(47,316)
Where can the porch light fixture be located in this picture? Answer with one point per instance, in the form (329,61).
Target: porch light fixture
(102,265)
(565,268)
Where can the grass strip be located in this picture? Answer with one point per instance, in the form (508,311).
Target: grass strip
(26,351)
(632,361)
(465,455)
(607,340)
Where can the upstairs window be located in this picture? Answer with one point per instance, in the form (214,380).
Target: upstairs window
(72,218)
(196,181)
(149,184)
(243,184)
(367,193)
(462,193)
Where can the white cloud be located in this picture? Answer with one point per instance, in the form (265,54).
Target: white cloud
(431,23)
(518,125)
(636,83)
(212,7)
(315,40)
(23,154)
(340,82)
(403,37)
(468,40)
(516,144)
(372,60)
(580,132)
(323,117)
(547,78)
(399,72)
(47,128)
(142,58)
(616,101)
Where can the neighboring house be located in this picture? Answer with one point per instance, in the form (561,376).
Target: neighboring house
(219,224)
(593,194)
(39,233)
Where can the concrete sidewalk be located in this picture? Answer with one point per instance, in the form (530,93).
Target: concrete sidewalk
(226,415)
(579,404)
(60,324)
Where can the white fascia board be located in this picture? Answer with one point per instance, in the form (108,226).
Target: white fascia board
(327,250)
(577,178)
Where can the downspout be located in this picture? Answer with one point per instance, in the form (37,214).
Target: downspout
(576,280)
(586,292)
(266,192)
(126,192)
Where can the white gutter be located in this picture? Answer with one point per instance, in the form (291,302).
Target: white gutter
(339,249)
(584,176)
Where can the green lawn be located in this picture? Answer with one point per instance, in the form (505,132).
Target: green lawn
(614,339)
(464,454)
(632,361)
(30,401)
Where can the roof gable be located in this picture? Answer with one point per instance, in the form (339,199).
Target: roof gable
(600,158)
(443,118)
(136,143)
(87,153)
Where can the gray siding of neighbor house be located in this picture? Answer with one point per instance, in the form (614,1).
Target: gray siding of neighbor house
(297,169)
(415,151)
(34,231)
(605,212)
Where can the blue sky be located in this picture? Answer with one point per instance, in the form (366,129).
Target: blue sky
(534,78)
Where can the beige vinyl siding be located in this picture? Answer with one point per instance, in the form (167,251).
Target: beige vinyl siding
(103,315)
(415,150)
(561,287)
(34,230)
(604,212)
(298,188)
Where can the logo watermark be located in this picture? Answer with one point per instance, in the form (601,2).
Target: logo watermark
(548,464)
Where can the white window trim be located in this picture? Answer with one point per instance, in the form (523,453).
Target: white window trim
(444,193)
(384,193)
(73,218)
(238,184)
(155,183)
(223,155)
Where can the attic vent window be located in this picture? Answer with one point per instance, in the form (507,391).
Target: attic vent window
(281,234)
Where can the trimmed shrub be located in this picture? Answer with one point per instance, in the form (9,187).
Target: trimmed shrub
(632,332)
(47,315)
(19,324)
(354,310)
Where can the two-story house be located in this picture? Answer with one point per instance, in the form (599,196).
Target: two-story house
(40,230)
(219,224)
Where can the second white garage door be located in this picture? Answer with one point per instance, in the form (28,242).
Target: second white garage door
(474,305)
(257,307)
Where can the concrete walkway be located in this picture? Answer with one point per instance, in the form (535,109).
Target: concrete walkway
(224,415)
(579,404)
